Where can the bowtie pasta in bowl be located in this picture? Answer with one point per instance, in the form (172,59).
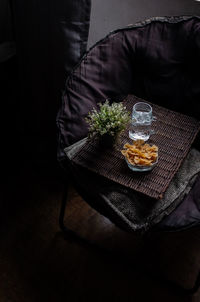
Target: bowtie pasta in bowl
(140,156)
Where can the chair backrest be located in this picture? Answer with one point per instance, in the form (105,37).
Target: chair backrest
(157,59)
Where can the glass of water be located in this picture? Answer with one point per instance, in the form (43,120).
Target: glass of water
(142,118)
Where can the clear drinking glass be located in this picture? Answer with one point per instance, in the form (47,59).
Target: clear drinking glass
(141,123)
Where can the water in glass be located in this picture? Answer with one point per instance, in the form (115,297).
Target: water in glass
(140,127)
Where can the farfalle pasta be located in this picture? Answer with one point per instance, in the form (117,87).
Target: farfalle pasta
(140,153)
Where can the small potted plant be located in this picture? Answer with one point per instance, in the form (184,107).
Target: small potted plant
(107,123)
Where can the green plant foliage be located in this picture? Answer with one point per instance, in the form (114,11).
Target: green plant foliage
(109,119)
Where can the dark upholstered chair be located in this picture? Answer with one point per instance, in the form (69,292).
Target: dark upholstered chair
(157,60)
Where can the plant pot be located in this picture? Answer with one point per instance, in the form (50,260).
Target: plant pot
(108,141)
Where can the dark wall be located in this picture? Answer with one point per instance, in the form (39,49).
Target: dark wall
(8,84)
(50,38)
(6,33)
(37,104)
(109,15)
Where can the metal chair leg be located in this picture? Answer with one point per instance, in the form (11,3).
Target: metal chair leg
(62,209)
(70,234)
(65,230)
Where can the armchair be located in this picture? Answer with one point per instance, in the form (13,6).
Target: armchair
(157,60)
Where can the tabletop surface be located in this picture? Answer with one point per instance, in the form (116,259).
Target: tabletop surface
(174,135)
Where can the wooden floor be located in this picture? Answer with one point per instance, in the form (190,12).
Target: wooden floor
(38,264)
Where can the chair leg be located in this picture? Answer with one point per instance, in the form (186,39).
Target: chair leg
(65,230)
(70,234)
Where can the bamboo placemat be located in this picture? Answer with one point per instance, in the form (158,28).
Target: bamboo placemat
(174,134)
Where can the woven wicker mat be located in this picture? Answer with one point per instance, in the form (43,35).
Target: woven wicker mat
(174,134)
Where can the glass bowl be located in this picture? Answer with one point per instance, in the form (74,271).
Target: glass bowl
(140,168)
